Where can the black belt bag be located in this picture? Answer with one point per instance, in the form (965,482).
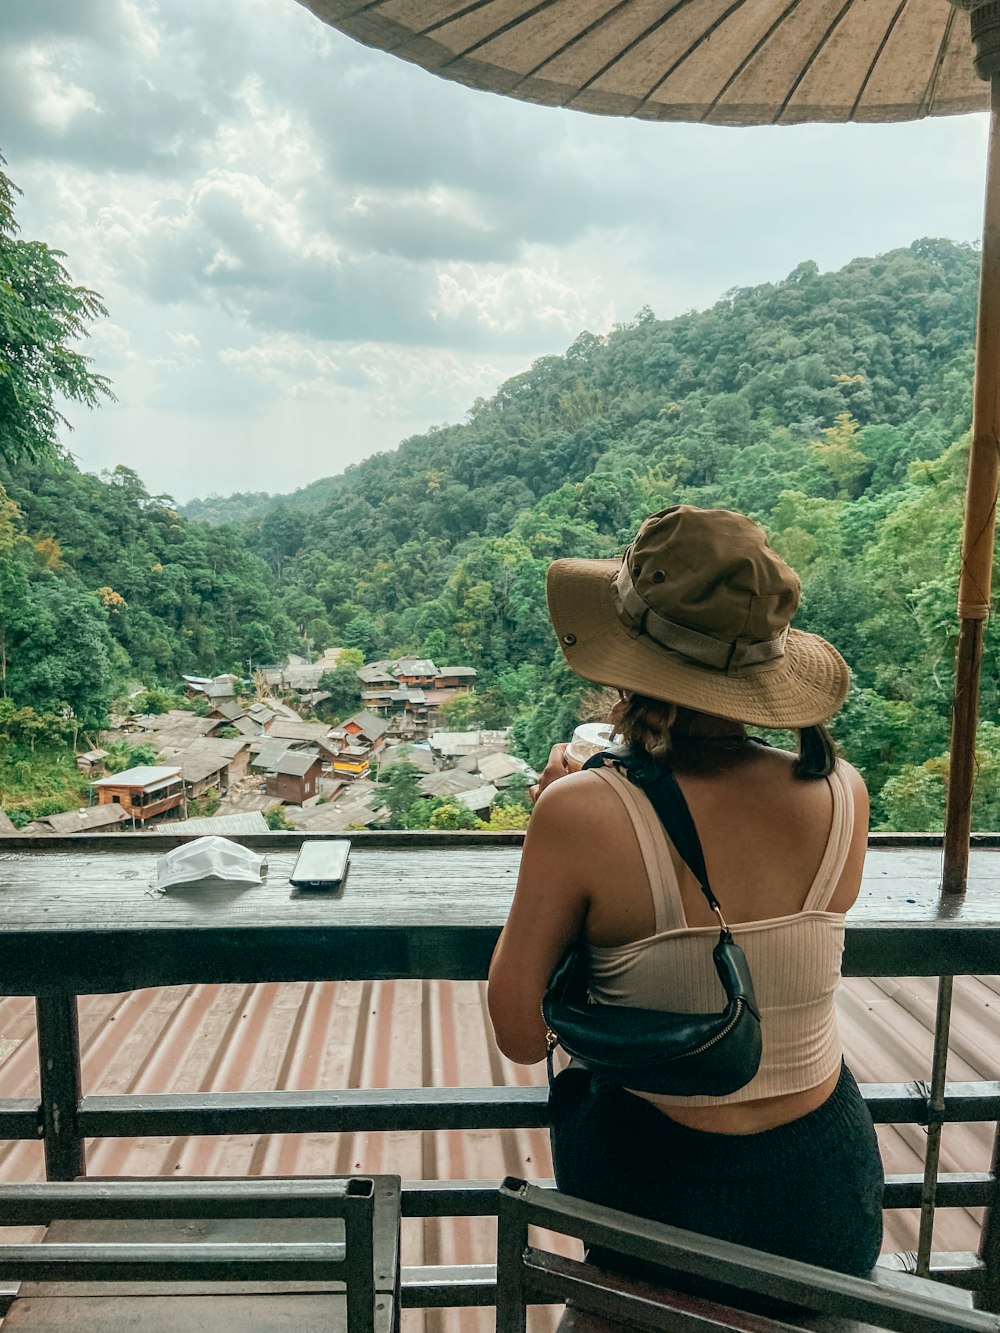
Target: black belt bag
(653,1050)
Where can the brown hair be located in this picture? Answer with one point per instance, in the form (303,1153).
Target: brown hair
(650,725)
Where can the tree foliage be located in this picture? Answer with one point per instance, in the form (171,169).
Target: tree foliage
(42,315)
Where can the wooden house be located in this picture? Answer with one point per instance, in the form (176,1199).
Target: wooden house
(419,671)
(90,819)
(144,792)
(91,761)
(454,678)
(294,777)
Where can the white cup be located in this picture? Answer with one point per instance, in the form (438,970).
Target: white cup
(588,739)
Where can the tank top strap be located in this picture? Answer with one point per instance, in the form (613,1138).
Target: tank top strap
(668,910)
(838,845)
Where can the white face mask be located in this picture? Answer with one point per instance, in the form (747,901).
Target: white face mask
(212,858)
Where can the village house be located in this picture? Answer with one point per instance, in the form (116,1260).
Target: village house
(479,800)
(144,792)
(410,690)
(449,783)
(91,761)
(217,689)
(294,776)
(90,819)
(209,761)
(316,735)
(360,739)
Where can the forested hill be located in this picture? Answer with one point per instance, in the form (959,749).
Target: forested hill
(832,407)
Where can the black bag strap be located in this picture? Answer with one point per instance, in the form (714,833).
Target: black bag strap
(673,812)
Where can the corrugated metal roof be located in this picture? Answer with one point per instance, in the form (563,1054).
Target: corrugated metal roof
(146,776)
(434,1033)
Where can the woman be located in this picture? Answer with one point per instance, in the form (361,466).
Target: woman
(692,627)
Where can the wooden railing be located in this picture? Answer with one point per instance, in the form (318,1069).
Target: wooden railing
(924,942)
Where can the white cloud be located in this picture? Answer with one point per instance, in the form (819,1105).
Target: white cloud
(310,249)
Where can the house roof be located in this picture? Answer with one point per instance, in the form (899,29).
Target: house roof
(93,756)
(414,666)
(269,753)
(244,822)
(229,711)
(316,732)
(496,767)
(376,672)
(407,754)
(479,799)
(296,763)
(455,742)
(401,1034)
(334,816)
(246,726)
(178,720)
(456,671)
(449,783)
(371,726)
(198,764)
(80,821)
(221,689)
(145,776)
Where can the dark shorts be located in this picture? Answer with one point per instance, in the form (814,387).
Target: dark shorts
(810,1190)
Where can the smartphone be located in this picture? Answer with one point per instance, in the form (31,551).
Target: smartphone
(321,864)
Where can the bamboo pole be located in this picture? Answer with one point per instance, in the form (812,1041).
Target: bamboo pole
(978,528)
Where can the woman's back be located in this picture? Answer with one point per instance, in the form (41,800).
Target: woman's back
(764,833)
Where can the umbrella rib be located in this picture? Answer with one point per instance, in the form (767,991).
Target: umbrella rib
(758,46)
(877,56)
(471,9)
(796,82)
(577,37)
(737,4)
(630,46)
(931,88)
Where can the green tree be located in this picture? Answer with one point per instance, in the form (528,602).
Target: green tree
(398,789)
(41,316)
(343,686)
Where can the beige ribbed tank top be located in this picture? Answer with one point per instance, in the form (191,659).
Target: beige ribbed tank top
(794,960)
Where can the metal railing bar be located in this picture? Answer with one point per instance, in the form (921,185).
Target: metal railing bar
(955,1189)
(478,1198)
(211,1261)
(456,1285)
(448,1286)
(349,1110)
(361,1109)
(39,1203)
(989,1243)
(20,1117)
(908,1103)
(935,1107)
(783,1279)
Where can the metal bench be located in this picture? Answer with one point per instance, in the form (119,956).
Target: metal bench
(185,1256)
(600,1301)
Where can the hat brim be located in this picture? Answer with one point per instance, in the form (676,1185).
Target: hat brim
(803,687)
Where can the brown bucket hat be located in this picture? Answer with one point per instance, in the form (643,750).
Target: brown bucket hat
(698,613)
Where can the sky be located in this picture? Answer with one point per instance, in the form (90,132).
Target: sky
(310,251)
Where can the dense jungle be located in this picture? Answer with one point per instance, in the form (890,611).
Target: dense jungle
(832,407)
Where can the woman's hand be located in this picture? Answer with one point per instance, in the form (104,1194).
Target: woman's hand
(556,767)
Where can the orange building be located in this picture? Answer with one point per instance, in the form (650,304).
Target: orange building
(144,792)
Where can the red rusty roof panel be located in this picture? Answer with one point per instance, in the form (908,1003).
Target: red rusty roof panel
(411,1034)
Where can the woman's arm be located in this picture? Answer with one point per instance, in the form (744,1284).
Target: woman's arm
(548,911)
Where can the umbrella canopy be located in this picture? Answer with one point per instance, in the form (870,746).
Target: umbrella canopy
(725,62)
